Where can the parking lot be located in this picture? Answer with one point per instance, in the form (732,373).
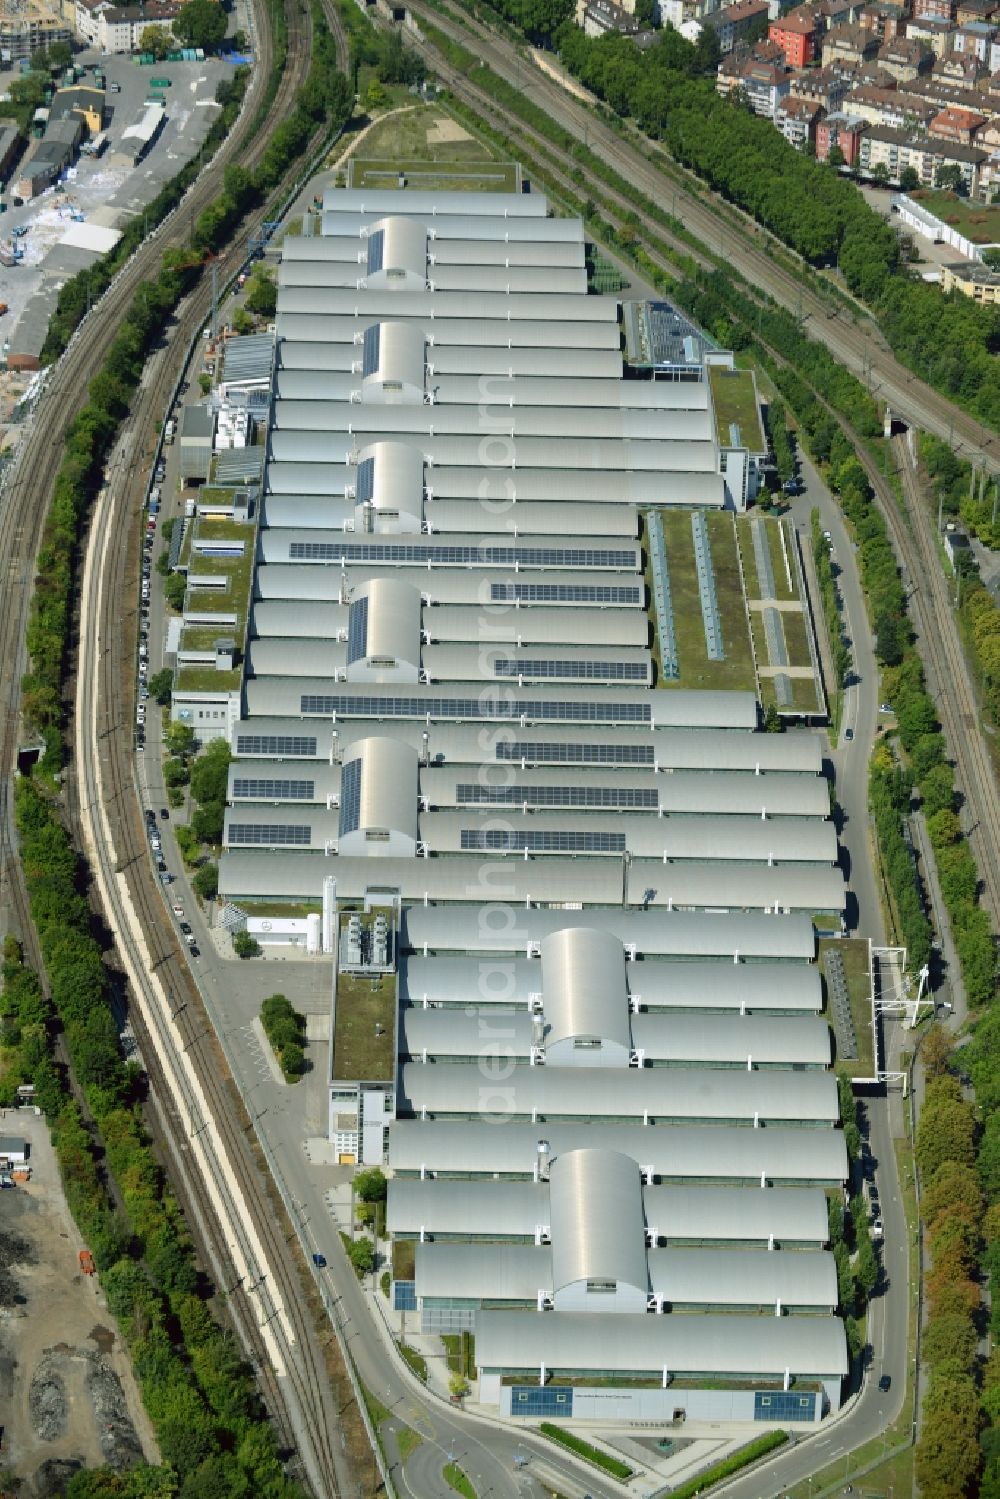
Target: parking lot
(108,191)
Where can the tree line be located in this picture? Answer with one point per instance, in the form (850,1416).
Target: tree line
(212,1430)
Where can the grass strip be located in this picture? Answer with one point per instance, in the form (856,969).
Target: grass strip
(730,1465)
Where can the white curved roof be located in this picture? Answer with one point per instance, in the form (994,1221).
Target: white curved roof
(388,786)
(661,1093)
(583,986)
(393,619)
(675,1152)
(744,1277)
(726,1344)
(596,1219)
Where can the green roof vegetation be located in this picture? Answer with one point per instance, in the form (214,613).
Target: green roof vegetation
(203,637)
(975,220)
(364,1031)
(736,671)
(223,528)
(206,679)
(734,395)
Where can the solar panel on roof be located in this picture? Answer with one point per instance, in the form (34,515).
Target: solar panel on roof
(471,793)
(357,630)
(273,790)
(593,671)
(376,251)
(519,840)
(269,835)
(366,480)
(564,593)
(367,705)
(370,349)
(275,744)
(348,550)
(537,751)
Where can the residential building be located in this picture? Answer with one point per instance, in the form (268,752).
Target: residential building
(873,75)
(87,104)
(833,13)
(885,20)
(897,150)
(843,131)
(965,69)
(118,29)
(934,10)
(900,111)
(795,33)
(976,38)
(905,58)
(849,44)
(29,27)
(933,30)
(761,74)
(797,120)
(958,125)
(598,17)
(824,86)
(976,10)
(980,282)
(731,23)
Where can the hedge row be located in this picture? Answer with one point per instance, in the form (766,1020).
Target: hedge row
(586,1450)
(730,1465)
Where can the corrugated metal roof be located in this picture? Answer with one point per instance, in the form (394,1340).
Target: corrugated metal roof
(248,358)
(708,1094)
(442,306)
(539,517)
(676,1152)
(657,985)
(737,886)
(300,620)
(595,1212)
(664,933)
(725,1344)
(722,1038)
(239,466)
(593,627)
(448,278)
(583,986)
(501,359)
(481,1209)
(417,202)
(744,1277)
(570,485)
(497,1272)
(535,331)
(450,223)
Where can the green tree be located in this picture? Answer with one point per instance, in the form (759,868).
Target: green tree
(207,822)
(156,39)
(206,881)
(245,946)
(945,1133)
(174,590)
(210,772)
(262,295)
(949,176)
(200,23)
(370,1185)
(909,179)
(175,773)
(242,322)
(361,1253)
(948,1337)
(161,686)
(880,174)
(947,1456)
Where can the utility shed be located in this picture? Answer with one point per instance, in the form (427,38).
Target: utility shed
(197,432)
(14,1150)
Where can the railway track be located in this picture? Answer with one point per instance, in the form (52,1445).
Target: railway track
(269,1315)
(932,612)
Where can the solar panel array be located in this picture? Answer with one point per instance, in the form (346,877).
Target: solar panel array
(471,793)
(579,710)
(565,593)
(272,790)
(762,556)
(589,671)
(669,664)
(366,480)
(347,550)
(275,744)
(840,1005)
(706,587)
(269,835)
(539,752)
(370,350)
(376,251)
(774,635)
(357,630)
(517,840)
(350,798)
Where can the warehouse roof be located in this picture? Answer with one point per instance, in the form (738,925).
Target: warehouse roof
(476,1209)
(674,987)
(501,360)
(376,202)
(697,1093)
(667,933)
(596,1219)
(696,1152)
(727,1344)
(711,1039)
